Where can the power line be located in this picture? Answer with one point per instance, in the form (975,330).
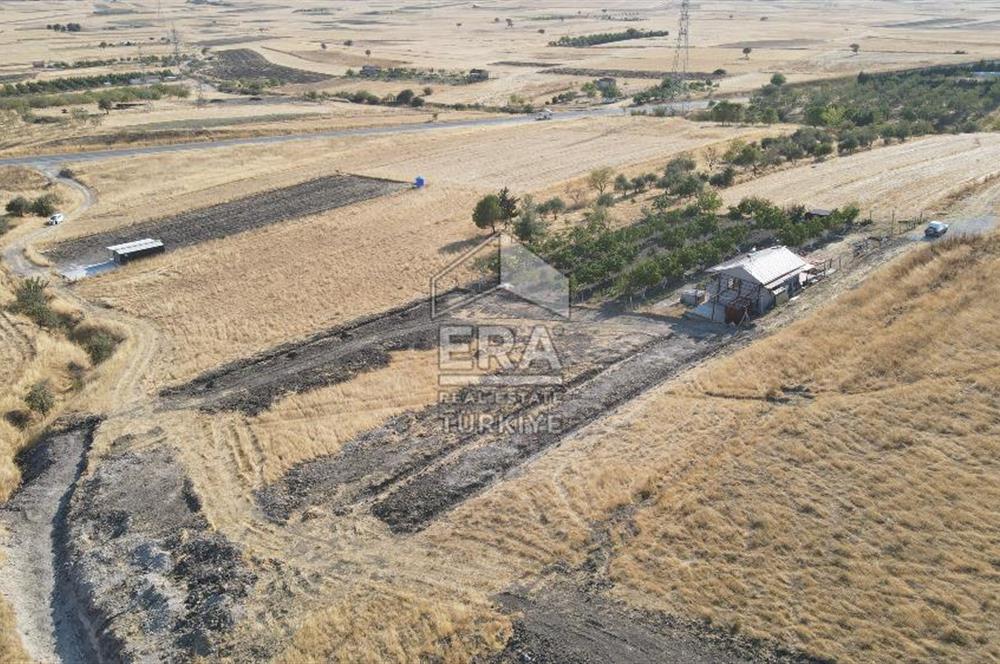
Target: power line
(682,52)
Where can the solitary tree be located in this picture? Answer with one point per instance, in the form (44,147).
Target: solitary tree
(600,178)
(105,105)
(855,48)
(18,206)
(368,52)
(778,80)
(746,52)
(510,23)
(508,205)
(487,212)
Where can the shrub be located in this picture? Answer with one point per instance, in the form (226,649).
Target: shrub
(19,206)
(98,343)
(45,205)
(606,200)
(40,398)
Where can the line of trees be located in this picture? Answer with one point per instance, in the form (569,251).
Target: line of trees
(581,41)
(43,206)
(664,246)
(932,100)
(25,103)
(75,83)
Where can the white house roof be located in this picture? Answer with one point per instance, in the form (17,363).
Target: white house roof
(137,245)
(764,267)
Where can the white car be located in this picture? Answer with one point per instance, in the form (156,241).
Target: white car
(935,229)
(545,114)
(55,219)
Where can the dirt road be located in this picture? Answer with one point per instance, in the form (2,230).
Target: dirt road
(53,159)
(48,617)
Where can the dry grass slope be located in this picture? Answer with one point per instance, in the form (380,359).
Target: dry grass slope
(849,507)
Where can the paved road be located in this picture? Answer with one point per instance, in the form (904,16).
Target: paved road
(50,160)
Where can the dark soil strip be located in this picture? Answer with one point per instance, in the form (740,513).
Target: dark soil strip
(418,445)
(566,626)
(225,219)
(243,64)
(624,73)
(333,356)
(442,486)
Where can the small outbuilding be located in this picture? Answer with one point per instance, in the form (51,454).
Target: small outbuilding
(129,251)
(370,71)
(477,75)
(606,84)
(753,283)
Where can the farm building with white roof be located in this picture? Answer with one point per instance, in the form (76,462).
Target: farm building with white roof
(753,283)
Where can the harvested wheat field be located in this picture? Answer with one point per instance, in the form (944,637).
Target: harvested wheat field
(920,176)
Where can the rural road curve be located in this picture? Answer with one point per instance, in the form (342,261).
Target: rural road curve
(49,160)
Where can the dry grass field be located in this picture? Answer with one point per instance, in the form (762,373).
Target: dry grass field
(361,259)
(829,487)
(312,37)
(920,176)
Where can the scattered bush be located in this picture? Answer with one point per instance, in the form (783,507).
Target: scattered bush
(98,343)
(40,398)
(19,206)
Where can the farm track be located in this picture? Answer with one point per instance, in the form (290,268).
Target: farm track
(230,218)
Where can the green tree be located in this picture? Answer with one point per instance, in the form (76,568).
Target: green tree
(622,184)
(487,212)
(105,104)
(727,112)
(45,206)
(508,206)
(778,80)
(18,206)
(746,52)
(529,227)
(405,97)
(600,178)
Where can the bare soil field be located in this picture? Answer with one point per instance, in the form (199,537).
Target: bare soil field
(229,218)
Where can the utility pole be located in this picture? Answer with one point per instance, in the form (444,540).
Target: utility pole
(177,43)
(682,53)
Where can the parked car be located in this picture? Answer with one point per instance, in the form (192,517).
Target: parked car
(935,229)
(55,219)
(544,114)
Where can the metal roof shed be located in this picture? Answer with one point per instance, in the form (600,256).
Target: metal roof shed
(123,253)
(753,283)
